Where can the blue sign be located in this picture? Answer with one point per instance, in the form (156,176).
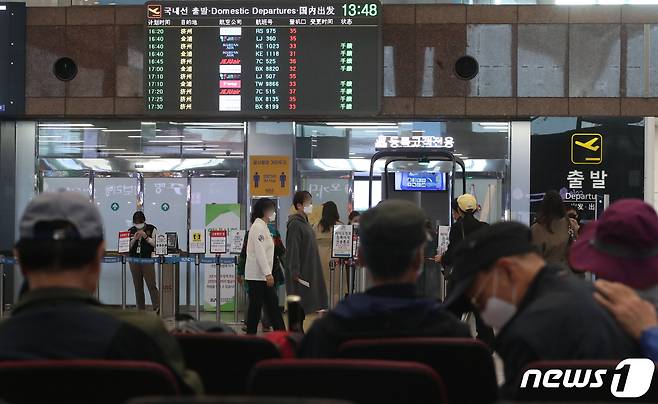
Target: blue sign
(420,181)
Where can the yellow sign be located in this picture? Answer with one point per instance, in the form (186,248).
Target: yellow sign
(270,175)
(586,148)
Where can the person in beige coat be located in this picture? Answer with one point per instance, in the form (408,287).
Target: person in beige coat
(554,231)
(323,235)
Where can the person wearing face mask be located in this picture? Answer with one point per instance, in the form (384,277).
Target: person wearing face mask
(258,268)
(537,312)
(142,245)
(304,266)
(393,237)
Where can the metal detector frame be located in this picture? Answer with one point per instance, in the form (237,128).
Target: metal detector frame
(414,154)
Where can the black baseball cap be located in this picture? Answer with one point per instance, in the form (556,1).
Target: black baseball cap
(393,224)
(479,251)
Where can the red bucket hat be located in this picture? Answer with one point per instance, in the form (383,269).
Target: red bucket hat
(621,246)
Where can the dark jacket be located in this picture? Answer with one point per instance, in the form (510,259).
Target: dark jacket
(303,260)
(385,311)
(460,230)
(558,318)
(145,249)
(60,323)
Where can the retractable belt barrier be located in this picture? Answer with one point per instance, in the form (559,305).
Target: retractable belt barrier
(113,259)
(197,260)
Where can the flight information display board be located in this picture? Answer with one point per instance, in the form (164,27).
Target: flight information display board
(12,59)
(263,58)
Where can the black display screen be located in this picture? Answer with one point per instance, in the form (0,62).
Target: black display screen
(12,59)
(262,59)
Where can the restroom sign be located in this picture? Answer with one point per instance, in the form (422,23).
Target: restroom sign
(197,242)
(269,175)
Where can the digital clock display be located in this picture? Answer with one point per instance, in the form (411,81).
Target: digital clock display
(263,58)
(359,9)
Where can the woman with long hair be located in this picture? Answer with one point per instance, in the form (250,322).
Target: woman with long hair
(323,234)
(553,231)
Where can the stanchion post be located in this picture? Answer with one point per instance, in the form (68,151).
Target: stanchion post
(2,286)
(332,269)
(235,289)
(218,287)
(123,282)
(340,279)
(161,279)
(197,285)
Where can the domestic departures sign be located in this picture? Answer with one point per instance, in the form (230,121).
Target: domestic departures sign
(283,58)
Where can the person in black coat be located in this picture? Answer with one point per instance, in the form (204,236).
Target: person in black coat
(538,314)
(466,223)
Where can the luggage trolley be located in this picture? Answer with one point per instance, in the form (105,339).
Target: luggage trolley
(417,155)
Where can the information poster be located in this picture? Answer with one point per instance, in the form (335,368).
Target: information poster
(223,217)
(342,241)
(161,244)
(197,242)
(263,58)
(444,240)
(236,241)
(227,294)
(124,242)
(270,175)
(218,241)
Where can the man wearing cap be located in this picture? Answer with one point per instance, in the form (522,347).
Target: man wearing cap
(60,252)
(621,249)
(392,242)
(538,314)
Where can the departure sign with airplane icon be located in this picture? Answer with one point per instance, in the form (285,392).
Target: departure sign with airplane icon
(586,148)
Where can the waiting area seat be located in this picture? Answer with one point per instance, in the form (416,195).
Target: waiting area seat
(582,371)
(83,381)
(234,400)
(224,361)
(465,365)
(360,381)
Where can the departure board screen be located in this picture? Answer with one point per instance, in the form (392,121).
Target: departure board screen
(263,58)
(12,59)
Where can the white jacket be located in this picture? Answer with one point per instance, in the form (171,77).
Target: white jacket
(260,252)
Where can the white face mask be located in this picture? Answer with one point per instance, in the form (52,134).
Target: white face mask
(272,217)
(498,312)
(139,226)
(308,209)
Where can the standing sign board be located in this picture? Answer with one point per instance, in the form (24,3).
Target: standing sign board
(236,240)
(342,242)
(269,175)
(161,244)
(197,242)
(218,241)
(124,242)
(444,239)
